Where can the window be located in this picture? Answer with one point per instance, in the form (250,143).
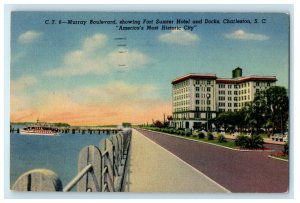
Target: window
(229,104)
(257,83)
(197,88)
(229,92)
(229,86)
(235,86)
(197,101)
(229,98)
(197,95)
(197,108)
(208,102)
(235,104)
(268,84)
(235,92)
(221,110)
(257,90)
(208,82)
(222,98)
(208,89)
(235,99)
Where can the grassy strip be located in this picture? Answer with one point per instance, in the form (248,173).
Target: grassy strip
(215,141)
(283,158)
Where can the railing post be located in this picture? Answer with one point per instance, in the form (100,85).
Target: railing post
(92,180)
(106,147)
(38,180)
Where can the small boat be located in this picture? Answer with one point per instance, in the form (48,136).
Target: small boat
(39,129)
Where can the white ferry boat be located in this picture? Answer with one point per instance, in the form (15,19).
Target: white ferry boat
(39,129)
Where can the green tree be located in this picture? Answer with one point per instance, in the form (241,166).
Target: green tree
(276,107)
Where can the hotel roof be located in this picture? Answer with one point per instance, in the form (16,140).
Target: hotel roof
(224,80)
(194,76)
(246,78)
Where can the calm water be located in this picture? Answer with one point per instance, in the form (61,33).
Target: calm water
(57,153)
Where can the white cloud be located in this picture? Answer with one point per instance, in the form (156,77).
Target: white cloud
(29,37)
(94,42)
(91,58)
(116,91)
(243,35)
(180,37)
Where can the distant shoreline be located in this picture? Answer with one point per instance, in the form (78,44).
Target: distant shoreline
(62,124)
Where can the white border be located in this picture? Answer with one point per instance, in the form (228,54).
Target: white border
(216,6)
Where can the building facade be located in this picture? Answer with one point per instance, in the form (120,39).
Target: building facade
(196,98)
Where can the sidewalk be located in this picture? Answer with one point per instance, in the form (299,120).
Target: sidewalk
(154,169)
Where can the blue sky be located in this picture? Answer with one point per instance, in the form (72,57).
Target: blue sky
(79,65)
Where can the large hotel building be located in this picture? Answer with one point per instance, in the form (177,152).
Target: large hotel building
(199,97)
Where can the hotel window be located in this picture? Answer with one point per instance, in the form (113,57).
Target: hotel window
(235,92)
(197,82)
(229,98)
(197,108)
(197,88)
(229,86)
(197,95)
(208,82)
(257,83)
(197,101)
(235,86)
(229,104)
(229,92)
(208,102)
(235,104)
(235,99)
(208,89)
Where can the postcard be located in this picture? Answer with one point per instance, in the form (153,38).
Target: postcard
(151,102)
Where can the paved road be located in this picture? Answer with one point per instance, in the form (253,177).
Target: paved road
(235,170)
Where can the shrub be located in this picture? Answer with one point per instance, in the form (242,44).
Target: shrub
(252,142)
(201,135)
(241,141)
(188,133)
(210,136)
(221,139)
(256,142)
(286,148)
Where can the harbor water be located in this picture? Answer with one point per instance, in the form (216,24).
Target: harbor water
(57,153)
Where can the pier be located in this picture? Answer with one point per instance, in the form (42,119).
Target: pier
(82,130)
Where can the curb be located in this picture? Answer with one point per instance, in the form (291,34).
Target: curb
(273,157)
(193,140)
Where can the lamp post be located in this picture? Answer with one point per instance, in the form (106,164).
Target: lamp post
(207,96)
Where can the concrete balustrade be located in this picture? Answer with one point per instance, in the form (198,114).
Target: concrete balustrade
(100,169)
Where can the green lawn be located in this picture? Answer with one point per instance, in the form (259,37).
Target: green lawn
(229,144)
